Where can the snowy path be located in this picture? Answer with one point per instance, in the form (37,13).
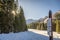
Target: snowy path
(29,35)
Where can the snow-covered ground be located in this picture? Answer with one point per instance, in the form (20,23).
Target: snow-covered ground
(31,34)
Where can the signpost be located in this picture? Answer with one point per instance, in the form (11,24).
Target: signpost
(49,26)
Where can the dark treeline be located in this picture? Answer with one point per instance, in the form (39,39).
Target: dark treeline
(41,24)
(11,17)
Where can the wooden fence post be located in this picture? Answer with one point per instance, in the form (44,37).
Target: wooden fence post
(49,26)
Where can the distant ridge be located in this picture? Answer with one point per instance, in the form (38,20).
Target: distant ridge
(30,21)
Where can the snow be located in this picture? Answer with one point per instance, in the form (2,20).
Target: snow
(31,34)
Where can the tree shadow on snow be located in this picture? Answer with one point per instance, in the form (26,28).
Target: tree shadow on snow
(40,36)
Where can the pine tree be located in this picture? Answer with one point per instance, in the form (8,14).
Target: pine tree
(6,16)
(22,19)
(10,20)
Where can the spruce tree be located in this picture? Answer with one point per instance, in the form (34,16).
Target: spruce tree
(20,24)
(6,16)
(22,19)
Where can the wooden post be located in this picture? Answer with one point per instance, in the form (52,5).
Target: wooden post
(49,26)
(50,17)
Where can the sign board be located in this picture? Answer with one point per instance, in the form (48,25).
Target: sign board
(49,25)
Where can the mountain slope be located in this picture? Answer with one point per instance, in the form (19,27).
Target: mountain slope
(30,21)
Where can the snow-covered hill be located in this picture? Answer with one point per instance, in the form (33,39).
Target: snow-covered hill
(31,34)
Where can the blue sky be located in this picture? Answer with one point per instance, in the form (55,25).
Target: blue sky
(35,9)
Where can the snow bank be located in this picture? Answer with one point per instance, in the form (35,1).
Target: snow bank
(28,35)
